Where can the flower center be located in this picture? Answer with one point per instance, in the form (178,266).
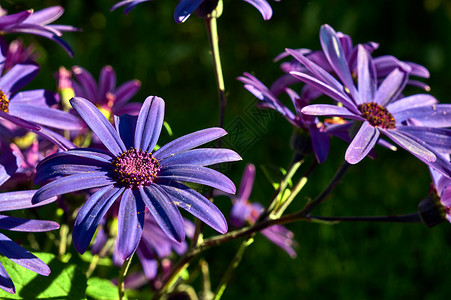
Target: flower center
(377,115)
(135,168)
(4,102)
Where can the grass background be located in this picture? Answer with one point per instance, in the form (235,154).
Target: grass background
(345,261)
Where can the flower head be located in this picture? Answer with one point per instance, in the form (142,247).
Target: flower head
(14,201)
(380,107)
(132,174)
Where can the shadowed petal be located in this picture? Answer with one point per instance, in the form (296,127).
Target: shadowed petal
(201,157)
(247,182)
(26,225)
(189,141)
(126,125)
(18,77)
(71,183)
(107,81)
(164,211)
(411,102)
(184,9)
(87,82)
(391,87)
(437,138)
(21,256)
(19,200)
(6,283)
(431,116)
(331,111)
(197,205)
(366,76)
(363,142)
(126,91)
(91,214)
(19,122)
(263,7)
(199,175)
(149,124)
(131,222)
(99,125)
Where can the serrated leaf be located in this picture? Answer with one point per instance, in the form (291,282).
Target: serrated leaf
(101,289)
(66,281)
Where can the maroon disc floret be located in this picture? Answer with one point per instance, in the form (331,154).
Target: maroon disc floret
(134,168)
(377,115)
(4,102)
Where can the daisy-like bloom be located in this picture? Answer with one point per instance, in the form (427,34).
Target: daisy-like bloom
(244,212)
(14,201)
(186,7)
(16,53)
(438,207)
(130,173)
(38,23)
(111,100)
(380,107)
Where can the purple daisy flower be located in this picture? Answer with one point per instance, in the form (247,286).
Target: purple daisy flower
(442,192)
(186,7)
(380,108)
(109,99)
(245,212)
(38,23)
(137,177)
(13,201)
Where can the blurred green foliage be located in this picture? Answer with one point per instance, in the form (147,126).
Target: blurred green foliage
(344,261)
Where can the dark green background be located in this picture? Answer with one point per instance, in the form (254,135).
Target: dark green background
(345,261)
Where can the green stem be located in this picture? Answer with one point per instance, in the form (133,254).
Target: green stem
(121,278)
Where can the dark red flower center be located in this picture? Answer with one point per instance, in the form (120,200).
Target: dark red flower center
(377,115)
(4,102)
(134,168)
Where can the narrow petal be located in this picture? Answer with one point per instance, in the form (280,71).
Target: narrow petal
(197,205)
(21,256)
(6,283)
(57,139)
(247,182)
(91,214)
(197,174)
(126,125)
(201,157)
(430,116)
(437,138)
(391,87)
(331,111)
(126,91)
(363,142)
(184,9)
(70,184)
(189,141)
(87,82)
(25,225)
(149,124)
(107,81)
(18,77)
(18,200)
(410,102)
(366,76)
(130,225)
(19,122)
(164,211)
(99,125)
(263,7)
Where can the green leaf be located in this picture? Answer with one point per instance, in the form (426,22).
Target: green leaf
(101,289)
(274,175)
(66,281)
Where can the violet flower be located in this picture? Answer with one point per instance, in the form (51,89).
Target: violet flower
(442,187)
(111,100)
(186,7)
(245,212)
(129,172)
(380,108)
(38,23)
(17,254)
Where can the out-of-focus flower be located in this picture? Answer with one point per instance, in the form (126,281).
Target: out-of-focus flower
(186,7)
(244,212)
(380,107)
(129,172)
(17,254)
(109,99)
(15,53)
(38,23)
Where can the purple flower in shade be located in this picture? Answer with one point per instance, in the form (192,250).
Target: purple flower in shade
(137,177)
(38,23)
(10,160)
(441,199)
(380,107)
(245,212)
(186,7)
(13,201)
(109,99)
(16,53)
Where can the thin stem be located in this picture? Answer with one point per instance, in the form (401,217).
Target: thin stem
(121,278)
(409,218)
(278,211)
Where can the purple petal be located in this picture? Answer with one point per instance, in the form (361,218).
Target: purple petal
(126,91)
(107,81)
(91,214)
(87,82)
(126,126)
(391,87)
(25,225)
(18,77)
(320,143)
(13,19)
(19,122)
(363,142)
(6,283)
(337,57)
(46,15)
(247,182)
(130,5)
(331,111)
(10,160)
(57,139)
(131,222)
(199,175)
(410,102)
(99,125)
(263,7)
(18,200)
(149,265)
(149,124)
(282,237)
(164,211)
(366,76)
(241,211)
(70,184)
(189,141)
(430,116)
(197,205)
(201,157)
(21,256)
(184,9)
